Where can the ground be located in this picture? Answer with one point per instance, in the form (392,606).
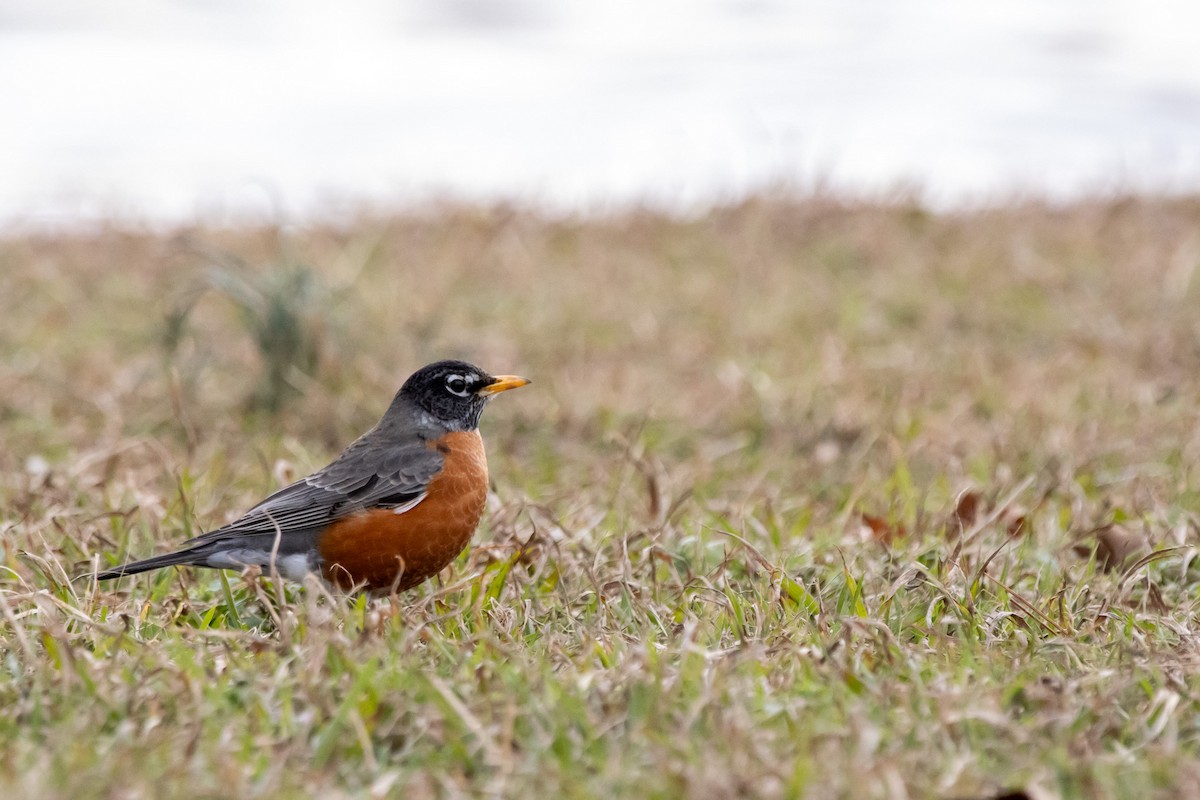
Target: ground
(809,498)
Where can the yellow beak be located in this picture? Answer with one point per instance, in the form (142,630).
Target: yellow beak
(503,383)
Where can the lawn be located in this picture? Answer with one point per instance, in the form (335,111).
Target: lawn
(809,498)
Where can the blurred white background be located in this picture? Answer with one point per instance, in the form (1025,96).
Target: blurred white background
(165,111)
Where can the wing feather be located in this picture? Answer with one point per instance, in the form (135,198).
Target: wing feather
(367,475)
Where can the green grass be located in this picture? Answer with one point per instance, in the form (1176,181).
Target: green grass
(722,556)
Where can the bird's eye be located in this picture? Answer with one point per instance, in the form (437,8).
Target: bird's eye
(456,384)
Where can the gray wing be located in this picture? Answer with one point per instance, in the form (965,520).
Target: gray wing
(369,474)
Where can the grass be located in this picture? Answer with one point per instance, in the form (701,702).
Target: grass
(809,499)
(280,308)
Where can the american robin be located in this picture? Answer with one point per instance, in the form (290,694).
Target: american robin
(393,509)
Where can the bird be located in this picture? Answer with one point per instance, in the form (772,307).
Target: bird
(398,505)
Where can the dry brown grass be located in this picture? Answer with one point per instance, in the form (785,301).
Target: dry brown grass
(675,592)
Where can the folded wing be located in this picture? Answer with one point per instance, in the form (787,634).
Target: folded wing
(367,475)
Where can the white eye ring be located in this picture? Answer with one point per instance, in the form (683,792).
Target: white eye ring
(457,384)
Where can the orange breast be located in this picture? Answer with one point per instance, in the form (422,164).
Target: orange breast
(389,551)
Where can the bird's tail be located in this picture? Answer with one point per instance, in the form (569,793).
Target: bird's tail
(157,562)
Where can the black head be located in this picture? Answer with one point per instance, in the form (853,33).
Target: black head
(455,392)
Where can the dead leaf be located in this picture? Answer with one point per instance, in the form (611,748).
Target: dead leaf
(1116,546)
(966,508)
(653,493)
(1015,520)
(1156,600)
(881,530)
